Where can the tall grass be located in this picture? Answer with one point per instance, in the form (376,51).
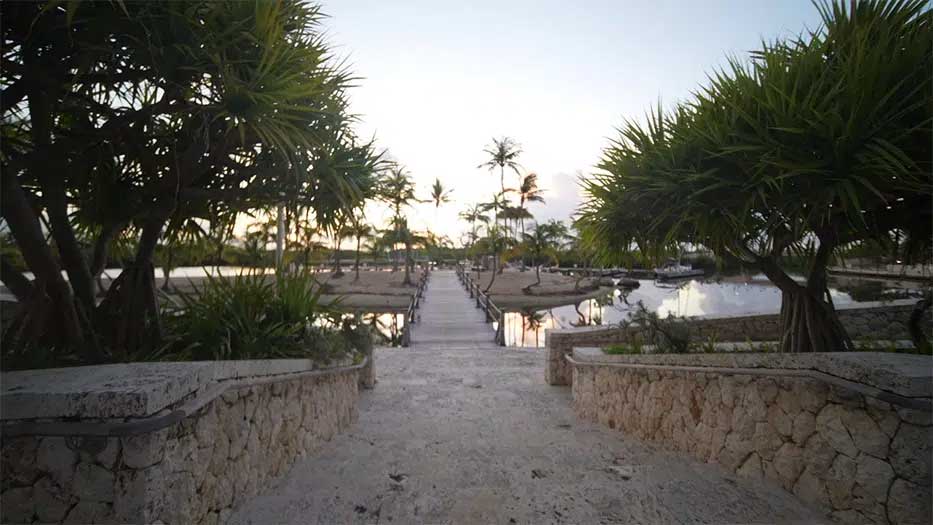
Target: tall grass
(258,316)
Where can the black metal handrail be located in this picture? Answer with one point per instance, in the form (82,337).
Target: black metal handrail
(492,312)
(410,317)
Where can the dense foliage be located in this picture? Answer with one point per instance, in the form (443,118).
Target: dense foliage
(815,144)
(123,122)
(256,316)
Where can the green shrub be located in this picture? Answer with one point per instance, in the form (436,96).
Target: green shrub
(258,316)
(623,348)
(669,335)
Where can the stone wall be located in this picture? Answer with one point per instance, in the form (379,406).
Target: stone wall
(861,458)
(879,321)
(229,440)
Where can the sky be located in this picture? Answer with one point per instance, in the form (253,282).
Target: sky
(438,80)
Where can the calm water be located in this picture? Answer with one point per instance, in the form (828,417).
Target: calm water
(728,296)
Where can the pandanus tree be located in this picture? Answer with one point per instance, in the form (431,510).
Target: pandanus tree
(145,110)
(180,232)
(815,143)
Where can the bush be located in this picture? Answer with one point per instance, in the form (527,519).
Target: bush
(669,335)
(258,316)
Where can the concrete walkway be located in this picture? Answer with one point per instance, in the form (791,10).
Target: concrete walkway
(460,431)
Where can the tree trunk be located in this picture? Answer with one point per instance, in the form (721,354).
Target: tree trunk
(809,324)
(808,320)
(14,280)
(495,268)
(407,281)
(102,252)
(49,316)
(167,268)
(356,264)
(522,220)
(50,172)
(338,271)
(915,325)
(129,314)
(537,274)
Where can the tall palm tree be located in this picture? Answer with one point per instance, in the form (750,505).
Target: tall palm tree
(474,214)
(512,216)
(528,192)
(397,190)
(498,202)
(439,194)
(503,153)
(540,244)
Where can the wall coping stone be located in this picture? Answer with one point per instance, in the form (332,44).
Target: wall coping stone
(132,390)
(907,375)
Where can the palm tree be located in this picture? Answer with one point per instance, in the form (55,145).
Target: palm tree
(474,214)
(360,231)
(540,244)
(439,194)
(496,241)
(502,154)
(528,192)
(402,234)
(398,190)
(512,216)
(498,202)
(341,232)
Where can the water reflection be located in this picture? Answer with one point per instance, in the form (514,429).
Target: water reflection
(387,327)
(738,295)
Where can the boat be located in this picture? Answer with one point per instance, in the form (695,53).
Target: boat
(675,270)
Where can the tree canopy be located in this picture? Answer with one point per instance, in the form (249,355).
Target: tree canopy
(813,143)
(133,116)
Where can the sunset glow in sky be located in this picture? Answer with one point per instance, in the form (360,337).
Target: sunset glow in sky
(440,79)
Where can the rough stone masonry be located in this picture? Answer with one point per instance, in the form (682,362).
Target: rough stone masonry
(862,459)
(191,471)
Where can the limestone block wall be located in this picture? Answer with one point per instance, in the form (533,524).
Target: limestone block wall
(194,470)
(880,321)
(860,458)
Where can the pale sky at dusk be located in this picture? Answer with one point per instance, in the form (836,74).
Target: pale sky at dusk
(440,79)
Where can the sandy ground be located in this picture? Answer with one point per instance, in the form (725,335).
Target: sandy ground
(555,289)
(375,291)
(458,430)
(382,291)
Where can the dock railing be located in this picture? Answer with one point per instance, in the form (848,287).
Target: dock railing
(410,317)
(493,313)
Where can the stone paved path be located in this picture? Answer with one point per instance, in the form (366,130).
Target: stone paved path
(460,431)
